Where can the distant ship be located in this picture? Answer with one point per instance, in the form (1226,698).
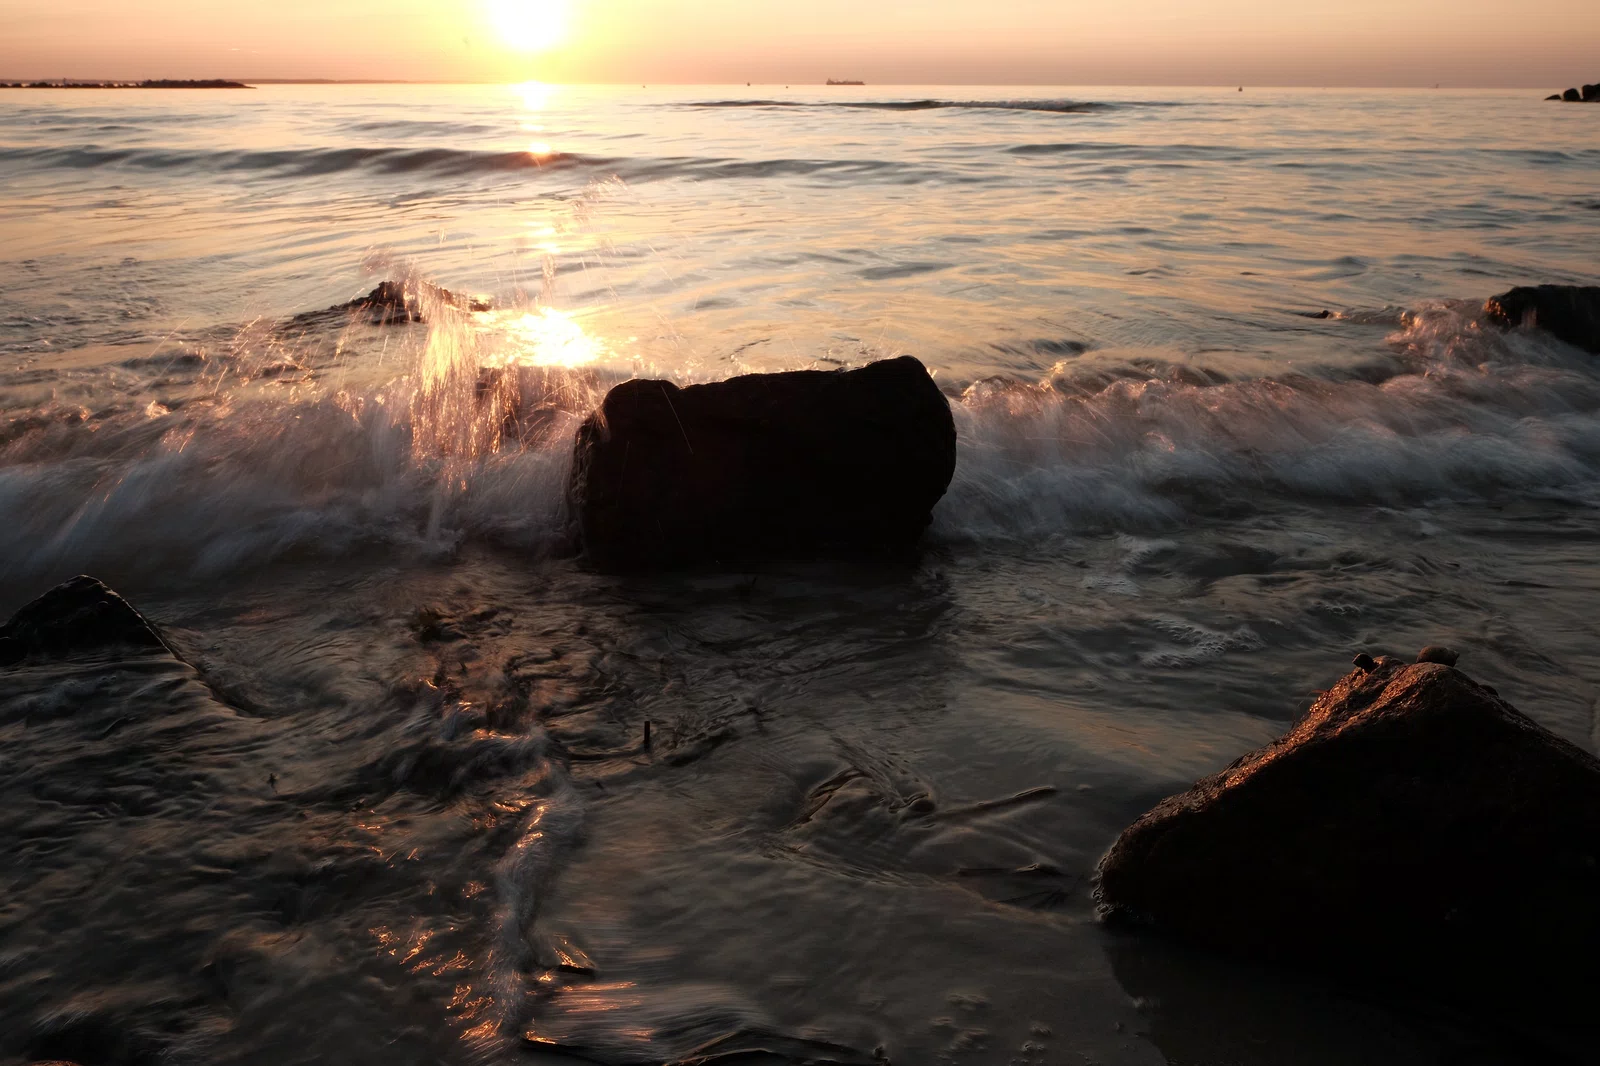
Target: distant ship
(832,82)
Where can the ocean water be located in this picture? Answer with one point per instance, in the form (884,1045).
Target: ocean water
(397,801)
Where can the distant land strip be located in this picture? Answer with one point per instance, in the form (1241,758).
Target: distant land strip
(153,83)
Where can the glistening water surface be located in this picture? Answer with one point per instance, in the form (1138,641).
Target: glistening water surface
(399,800)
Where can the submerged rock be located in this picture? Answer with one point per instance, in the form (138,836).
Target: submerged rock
(1412,829)
(793,464)
(79,617)
(1569,312)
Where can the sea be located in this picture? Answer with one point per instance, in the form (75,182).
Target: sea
(424,787)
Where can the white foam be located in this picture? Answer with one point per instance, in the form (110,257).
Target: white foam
(429,460)
(1474,417)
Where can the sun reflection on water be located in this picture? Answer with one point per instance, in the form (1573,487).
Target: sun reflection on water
(548,337)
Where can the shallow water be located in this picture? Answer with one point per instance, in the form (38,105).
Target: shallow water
(402,797)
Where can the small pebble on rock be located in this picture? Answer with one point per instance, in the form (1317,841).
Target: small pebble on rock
(1434,653)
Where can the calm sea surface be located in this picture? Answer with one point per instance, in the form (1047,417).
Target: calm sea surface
(397,803)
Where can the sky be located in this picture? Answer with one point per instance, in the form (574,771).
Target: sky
(1546,44)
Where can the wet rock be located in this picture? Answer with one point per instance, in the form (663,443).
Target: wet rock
(1412,830)
(796,464)
(79,617)
(1569,312)
(394,302)
(1433,653)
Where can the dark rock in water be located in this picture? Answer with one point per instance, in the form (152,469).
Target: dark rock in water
(1412,830)
(79,617)
(1553,96)
(1572,96)
(796,464)
(1434,653)
(392,302)
(1569,312)
(1591,93)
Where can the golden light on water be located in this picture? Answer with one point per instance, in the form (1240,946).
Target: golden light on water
(535,97)
(528,25)
(548,337)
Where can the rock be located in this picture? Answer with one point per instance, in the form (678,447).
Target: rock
(1412,829)
(796,464)
(79,617)
(392,302)
(1553,96)
(1569,312)
(1591,93)
(1572,96)
(1433,653)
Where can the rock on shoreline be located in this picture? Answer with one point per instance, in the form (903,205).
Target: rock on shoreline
(1568,312)
(795,464)
(1413,830)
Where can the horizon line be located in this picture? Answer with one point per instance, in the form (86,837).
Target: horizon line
(65,81)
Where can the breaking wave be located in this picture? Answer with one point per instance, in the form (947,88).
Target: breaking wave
(453,452)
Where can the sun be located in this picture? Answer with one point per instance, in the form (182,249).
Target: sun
(528,25)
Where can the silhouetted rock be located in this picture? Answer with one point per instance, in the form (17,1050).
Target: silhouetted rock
(1591,92)
(1412,830)
(1553,96)
(1572,96)
(1570,312)
(392,302)
(794,464)
(79,617)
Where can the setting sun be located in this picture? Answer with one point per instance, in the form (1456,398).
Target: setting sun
(529,25)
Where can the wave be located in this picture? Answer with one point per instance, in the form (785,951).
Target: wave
(447,454)
(452,162)
(1056,107)
(298,162)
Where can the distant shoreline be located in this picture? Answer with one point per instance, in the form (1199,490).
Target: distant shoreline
(153,83)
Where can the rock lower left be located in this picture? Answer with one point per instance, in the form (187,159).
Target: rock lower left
(78,617)
(804,463)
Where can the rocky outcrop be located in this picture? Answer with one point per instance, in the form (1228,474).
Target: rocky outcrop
(79,617)
(1588,94)
(394,302)
(1570,312)
(1413,828)
(796,464)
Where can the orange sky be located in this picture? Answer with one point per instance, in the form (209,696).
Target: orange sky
(1537,43)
